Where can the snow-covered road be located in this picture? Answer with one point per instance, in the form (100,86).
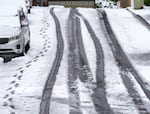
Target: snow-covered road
(77,65)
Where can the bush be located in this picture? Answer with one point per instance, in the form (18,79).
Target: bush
(147,2)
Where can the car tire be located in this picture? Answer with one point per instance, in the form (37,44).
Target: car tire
(27,47)
(23,51)
(7,59)
(29,10)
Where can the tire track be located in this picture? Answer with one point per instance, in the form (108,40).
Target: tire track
(80,77)
(74,66)
(45,103)
(125,66)
(85,75)
(140,18)
(99,96)
(86,85)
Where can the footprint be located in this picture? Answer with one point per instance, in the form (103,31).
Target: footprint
(45,43)
(10,99)
(45,50)
(9,89)
(41,29)
(17,85)
(12,113)
(12,92)
(5,104)
(20,68)
(15,75)
(12,106)
(42,55)
(28,62)
(12,82)
(19,77)
(28,65)
(21,71)
(45,20)
(27,110)
(35,60)
(36,57)
(6,96)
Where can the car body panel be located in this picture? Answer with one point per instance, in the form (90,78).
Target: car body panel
(18,36)
(13,31)
(14,3)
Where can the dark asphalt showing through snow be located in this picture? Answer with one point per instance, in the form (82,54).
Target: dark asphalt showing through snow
(74,67)
(44,107)
(99,97)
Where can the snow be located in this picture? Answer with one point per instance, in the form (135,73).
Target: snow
(60,97)
(90,50)
(141,60)
(135,42)
(142,12)
(84,88)
(14,3)
(10,21)
(9,11)
(119,100)
(22,80)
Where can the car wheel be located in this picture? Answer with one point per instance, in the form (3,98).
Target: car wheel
(29,10)
(23,51)
(27,47)
(7,59)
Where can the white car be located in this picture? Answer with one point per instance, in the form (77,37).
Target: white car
(28,5)
(14,3)
(16,42)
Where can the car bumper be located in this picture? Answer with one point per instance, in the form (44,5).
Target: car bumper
(14,46)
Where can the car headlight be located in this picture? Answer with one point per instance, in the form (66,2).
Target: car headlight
(14,38)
